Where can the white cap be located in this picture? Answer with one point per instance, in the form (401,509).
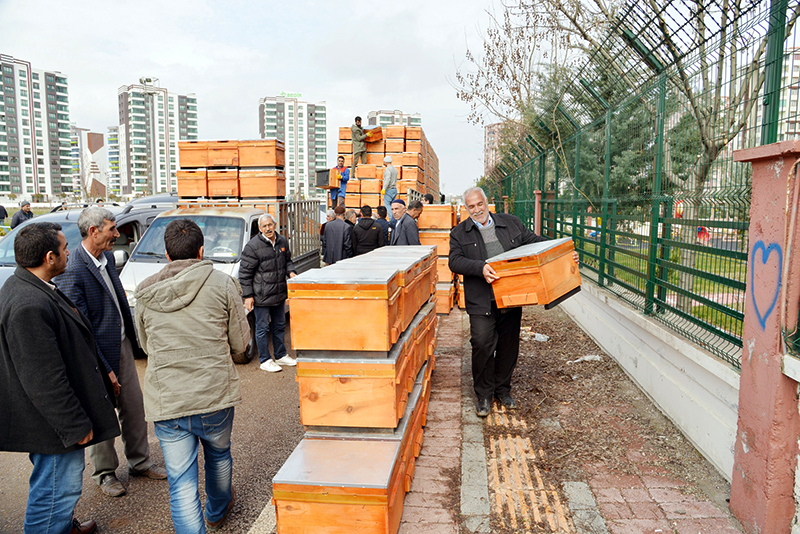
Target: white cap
(387,159)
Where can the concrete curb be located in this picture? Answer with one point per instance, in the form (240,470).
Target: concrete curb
(474,474)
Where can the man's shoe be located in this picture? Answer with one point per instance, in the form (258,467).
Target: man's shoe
(508,402)
(156,473)
(287,360)
(111,486)
(83,528)
(271,367)
(484,407)
(215,525)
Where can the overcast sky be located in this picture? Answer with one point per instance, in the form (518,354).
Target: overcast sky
(356,55)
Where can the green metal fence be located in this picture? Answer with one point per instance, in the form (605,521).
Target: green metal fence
(634,158)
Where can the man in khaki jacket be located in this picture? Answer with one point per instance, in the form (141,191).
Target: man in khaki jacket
(190,319)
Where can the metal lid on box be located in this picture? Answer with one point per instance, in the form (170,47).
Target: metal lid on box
(529,250)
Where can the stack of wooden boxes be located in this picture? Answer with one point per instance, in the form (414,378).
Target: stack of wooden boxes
(365,333)
(232,169)
(435,224)
(412,155)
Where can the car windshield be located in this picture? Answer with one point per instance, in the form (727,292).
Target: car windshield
(223,238)
(70,230)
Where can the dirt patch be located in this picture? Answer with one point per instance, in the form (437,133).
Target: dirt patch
(586,416)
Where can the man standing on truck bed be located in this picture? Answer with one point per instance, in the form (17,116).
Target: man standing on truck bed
(265,266)
(359,146)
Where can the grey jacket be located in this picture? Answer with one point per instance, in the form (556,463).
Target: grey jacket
(405,231)
(190,319)
(359,139)
(390,177)
(337,241)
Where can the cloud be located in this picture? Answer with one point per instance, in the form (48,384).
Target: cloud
(356,55)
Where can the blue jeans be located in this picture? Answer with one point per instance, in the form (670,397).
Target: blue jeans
(55,487)
(389,195)
(180,440)
(264,316)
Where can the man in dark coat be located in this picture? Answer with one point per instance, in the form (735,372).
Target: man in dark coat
(3,215)
(494,333)
(24,214)
(381,220)
(92,283)
(367,233)
(336,243)
(57,398)
(405,231)
(266,264)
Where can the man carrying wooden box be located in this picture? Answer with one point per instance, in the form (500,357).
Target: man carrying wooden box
(494,333)
(359,145)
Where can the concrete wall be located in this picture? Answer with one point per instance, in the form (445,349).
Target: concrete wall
(696,390)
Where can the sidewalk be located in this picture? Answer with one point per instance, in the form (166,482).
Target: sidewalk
(478,475)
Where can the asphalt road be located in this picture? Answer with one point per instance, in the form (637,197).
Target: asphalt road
(265,431)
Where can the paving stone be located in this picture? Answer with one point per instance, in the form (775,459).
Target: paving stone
(636,495)
(431,473)
(667,495)
(451,442)
(608,495)
(429,500)
(579,496)
(695,510)
(446,462)
(424,514)
(639,526)
(436,431)
(425,485)
(427,528)
(706,526)
(661,482)
(615,510)
(646,510)
(615,481)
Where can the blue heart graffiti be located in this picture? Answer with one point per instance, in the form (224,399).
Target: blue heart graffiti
(765,253)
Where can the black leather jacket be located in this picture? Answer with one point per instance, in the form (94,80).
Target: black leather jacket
(264,269)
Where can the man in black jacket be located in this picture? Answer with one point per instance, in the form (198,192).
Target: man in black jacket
(57,398)
(266,264)
(494,333)
(336,242)
(367,233)
(24,214)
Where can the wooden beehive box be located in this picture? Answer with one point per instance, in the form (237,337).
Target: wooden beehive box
(395,145)
(192,183)
(374,158)
(362,390)
(443,268)
(371,186)
(223,153)
(376,147)
(445,294)
(341,487)
(223,183)
(338,291)
(373,200)
(345,147)
(436,237)
(192,154)
(374,134)
(345,133)
(262,153)
(261,183)
(328,179)
(353,186)
(437,216)
(404,185)
(539,273)
(365,171)
(352,201)
(413,159)
(413,146)
(414,132)
(397,131)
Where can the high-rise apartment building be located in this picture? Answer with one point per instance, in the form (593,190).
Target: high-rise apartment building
(90,163)
(112,141)
(35,156)
(302,127)
(388,117)
(491,146)
(151,122)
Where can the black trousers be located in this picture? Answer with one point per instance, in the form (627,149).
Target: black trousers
(495,349)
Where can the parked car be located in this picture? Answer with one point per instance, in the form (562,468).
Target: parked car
(132,221)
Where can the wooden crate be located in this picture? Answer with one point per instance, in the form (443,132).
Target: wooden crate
(444,298)
(413,159)
(328,179)
(373,200)
(375,134)
(341,487)
(345,133)
(345,147)
(348,159)
(395,145)
(371,186)
(413,146)
(394,132)
(414,173)
(223,153)
(192,154)
(262,153)
(223,183)
(365,171)
(353,186)
(414,132)
(352,201)
(437,216)
(539,273)
(443,270)
(404,185)
(374,158)
(438,238)
(192,183)
(372,295)
(376,147)
(260,183)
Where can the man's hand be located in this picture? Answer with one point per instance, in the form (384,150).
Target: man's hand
(248,304)
(576,256)
(87,439)
(369,134)
(489,274)
(114,382)
(292,275)
(383,192)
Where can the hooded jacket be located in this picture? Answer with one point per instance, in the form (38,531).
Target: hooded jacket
(190,318)
(367,236)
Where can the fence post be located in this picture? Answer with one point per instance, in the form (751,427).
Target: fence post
(656,203)
(538,212)
(601,275)
(773,67)
(575,186)
(539,209)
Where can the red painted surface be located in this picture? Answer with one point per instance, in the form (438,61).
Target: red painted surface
(769,424)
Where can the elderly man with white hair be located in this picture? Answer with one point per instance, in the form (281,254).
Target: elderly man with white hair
(265,266)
